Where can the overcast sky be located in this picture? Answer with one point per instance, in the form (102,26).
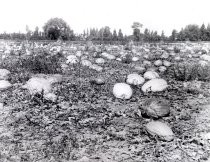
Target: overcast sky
(82,14)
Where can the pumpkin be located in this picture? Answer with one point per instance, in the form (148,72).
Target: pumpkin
(151,75)
(96,67)
(162,68)
(119,59)
(164,55)
(97,81)
(155,108)
(50,96)
(64,66)
(147,63)
(154,85)
(86,63)
(134,59)
(135,79)
(177,58)
(100,61)
(4,84)
(37,85)
(140,69)
(108,56)
(203,63)
(79,53)
(4,74)
(166,63)
(158,63)
(55,78)
(205,57)
(122,91)
(72,59)
(162,130)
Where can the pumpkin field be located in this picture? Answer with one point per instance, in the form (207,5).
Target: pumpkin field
(91,102)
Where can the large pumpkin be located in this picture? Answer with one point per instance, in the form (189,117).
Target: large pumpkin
(151,75)
(155,108)
(162,130)
(122,91)
(135,79)
(155,85)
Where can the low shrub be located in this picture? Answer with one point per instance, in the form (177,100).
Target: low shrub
(191,71)
(42,62)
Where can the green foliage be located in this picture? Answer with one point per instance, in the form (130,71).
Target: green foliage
(191,71)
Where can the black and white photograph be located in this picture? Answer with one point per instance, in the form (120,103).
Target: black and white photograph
(104,81)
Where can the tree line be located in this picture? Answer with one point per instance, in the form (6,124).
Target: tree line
(57,28)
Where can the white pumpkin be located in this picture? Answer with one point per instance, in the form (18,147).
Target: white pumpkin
(166,63)
(79,53)
(100,61)
(155,85)
(140,69)
(164,55)
(50,96)
(158,63)
(162,68)
(135,79)
(55,78)
(147,63)
(37,85)
(4,84)
(119,59)
(203,63)
(151,75)
(134,59)
(160,129)
(108,56)
(96,67)
(64,66)
(122,91)
(177,58)
(205,57)
(86,63)
(4,74)
(72,59)
(146,57)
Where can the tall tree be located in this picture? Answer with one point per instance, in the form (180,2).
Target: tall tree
(163,37)
(114,35)
(107,35)
(208,32)
(146,35)
(192,32)
(136,30)
(120,35)
(36,33)
(28,32)
(173,36)
(203,33)
(57,28)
